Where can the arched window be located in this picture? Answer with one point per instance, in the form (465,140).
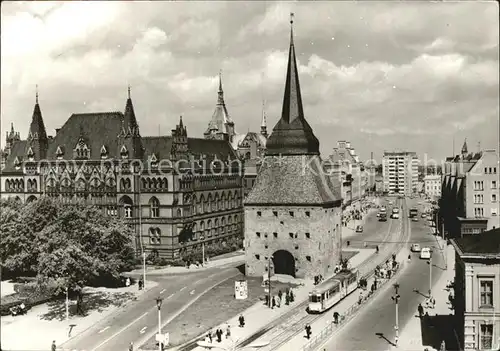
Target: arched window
(200,204)
(143,183)
(206,204)
(202,227)
(229,220)
(35,187)
(80,185)
(31,198)
(153,183)
(215,206)
(209,227)
(165,183)
(229,201)
(126,203)
(179,213)
(154,207)
(247,156)
(223,201)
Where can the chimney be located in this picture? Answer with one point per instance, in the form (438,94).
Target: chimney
(57,130)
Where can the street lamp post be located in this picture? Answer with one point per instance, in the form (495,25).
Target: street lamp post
(159,301)
(430,275)
(140,230)
(269,281)
(395,298)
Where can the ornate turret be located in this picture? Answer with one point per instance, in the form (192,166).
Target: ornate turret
(179,142)
(263,123)
(130,138)
(37,141)
(292,135)
(11,138)
(221,125)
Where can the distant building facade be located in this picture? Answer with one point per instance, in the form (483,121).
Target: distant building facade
(163,186)
(470,193)
(400,172)
(477,290)
(432,185)
(293,212)
(10,139)
(250,147)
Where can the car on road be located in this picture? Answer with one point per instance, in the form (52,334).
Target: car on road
(415,219)
(395,215)
(425,253)
(423,215)
(359,229)
(415,248)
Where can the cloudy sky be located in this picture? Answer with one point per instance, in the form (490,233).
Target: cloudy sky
(384,75)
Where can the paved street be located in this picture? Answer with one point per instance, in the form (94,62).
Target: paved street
(141,319)
(373,327)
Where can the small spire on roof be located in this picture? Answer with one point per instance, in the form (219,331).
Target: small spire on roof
(128,91)
(291,27)
(36,94)
(220,81)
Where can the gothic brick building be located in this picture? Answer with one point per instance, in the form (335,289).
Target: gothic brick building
(293,212)
(176,191)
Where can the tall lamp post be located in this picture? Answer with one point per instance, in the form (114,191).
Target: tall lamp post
(269,281)
(430,275)
(395,298)
(159,301)
(138,173)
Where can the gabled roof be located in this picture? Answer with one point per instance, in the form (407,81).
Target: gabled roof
(293,180)
(97,129)
(486,244)
(17,150)
(239,139)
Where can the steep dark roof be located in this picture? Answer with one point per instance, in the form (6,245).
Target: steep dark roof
(486,243)
(98,129)
(292,135)
(17,150)
(37,127)
(220,118)
(293,180)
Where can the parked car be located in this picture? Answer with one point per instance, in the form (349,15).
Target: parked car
(425,253)
(395,215)
(359,229)
(415,248)
(423,215)
(415,219)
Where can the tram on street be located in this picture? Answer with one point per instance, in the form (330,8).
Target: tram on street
(333,290)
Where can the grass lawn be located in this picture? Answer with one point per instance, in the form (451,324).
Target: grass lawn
(212,309)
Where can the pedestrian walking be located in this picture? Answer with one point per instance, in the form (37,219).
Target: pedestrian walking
(242,321)
(228,331)
(280,294)
(274,302)
(409,258)
(308,331)
(219,335)
(360,299)
(287,299)
(210,336)
(267,300)
(292,297)
(53,346)
(420,310)
(336,317)
(140,284)
(131,346)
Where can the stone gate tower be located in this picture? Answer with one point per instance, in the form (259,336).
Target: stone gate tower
(292,214)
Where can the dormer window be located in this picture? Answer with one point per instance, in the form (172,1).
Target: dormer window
(59,153)
(153,160)
(124,152)
(17,163)
(31,154)
(104,152)
(81,151)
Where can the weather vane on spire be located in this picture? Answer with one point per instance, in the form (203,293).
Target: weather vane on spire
(129,91)
(36,94)
(291,17)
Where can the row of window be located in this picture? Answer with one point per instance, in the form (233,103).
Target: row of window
(490,170)
(291,235)
(479,185)
(479,211)
(290,213)
(257,257)
(479,198)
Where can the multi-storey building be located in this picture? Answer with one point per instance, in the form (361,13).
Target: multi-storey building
(400,172)
(477,290)
(177,191)
(470,193)
(345,164)
(432,185)
(293,212)
(249,147)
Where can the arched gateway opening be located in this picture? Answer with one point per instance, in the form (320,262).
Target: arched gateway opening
(284,263)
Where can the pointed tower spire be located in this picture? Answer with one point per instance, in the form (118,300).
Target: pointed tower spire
(130,126)
(465,150)
(220,94)
(37,135)
(263,123)
(221,126)
(292,135)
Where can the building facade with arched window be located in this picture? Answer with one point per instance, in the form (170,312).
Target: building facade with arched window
(167,187)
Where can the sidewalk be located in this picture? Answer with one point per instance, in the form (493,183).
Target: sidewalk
(410,338)
(215,262)
(46,322)
(259,315)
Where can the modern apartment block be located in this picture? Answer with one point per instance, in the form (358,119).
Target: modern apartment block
(432,185)
(400,172)
(477,293)
(470,193)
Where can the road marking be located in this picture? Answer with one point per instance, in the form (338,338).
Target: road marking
(183,288)
(143,330)
(161,292)
(169,296)
(103,330)
(192,292)
(120,331)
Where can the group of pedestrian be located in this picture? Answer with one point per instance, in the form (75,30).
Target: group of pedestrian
(277,300)
(218,334)
(318,279)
